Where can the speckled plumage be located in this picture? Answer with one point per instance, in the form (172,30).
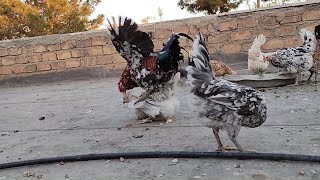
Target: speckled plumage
(295,60)
(227,105)
(136,47)
(151,71)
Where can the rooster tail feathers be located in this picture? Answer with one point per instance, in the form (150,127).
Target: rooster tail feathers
(199,69)
(126,30)
(308,39)
(259,41)
(196,77)
(170,55)
(202,40)
(199,55)
(185,35)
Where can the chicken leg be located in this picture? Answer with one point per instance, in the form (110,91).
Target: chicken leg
(313,71)
(220,146)
(297,81)
(146,120)
(216,135)
(235,142)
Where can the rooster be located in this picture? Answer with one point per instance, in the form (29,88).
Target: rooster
(226,105)
(145,68)
(295,60)
(256,64)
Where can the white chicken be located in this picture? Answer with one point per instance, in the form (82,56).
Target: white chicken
(160,105)
(256,64)
(295,60)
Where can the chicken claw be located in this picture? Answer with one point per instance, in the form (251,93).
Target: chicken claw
(230,148)
(169,121)
(147,120)
(227,148)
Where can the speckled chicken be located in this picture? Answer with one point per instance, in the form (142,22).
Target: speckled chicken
(226,105)
(295,60)
(256,64)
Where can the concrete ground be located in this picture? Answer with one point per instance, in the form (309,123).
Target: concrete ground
(84,117)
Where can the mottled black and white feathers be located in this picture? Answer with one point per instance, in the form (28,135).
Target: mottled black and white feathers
(137,48)
(133,45)
(223,101)
(199,55)
(221,97)
(126,33)
(296,59)
(155,72)
(226,105)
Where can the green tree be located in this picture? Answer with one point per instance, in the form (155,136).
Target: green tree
(209,6)
(27,18)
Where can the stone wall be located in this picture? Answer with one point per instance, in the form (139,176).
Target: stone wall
(228,33)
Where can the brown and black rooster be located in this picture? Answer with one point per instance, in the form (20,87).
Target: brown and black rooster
(147,69)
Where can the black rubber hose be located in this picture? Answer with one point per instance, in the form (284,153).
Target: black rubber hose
(167,154)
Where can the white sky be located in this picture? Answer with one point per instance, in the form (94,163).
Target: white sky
(139,9)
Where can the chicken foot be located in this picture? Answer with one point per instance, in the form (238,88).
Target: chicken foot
(313,71)
(216,135)
(297,81)
(169,120)
(222,147)
(239,147)
(235,142)
(146,120)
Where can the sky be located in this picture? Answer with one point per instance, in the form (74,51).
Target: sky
(139,9)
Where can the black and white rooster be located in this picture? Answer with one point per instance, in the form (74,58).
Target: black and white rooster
(226,105)
(297,59)
(145,68)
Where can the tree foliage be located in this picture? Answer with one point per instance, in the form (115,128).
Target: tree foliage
(27,18)
(209,6)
